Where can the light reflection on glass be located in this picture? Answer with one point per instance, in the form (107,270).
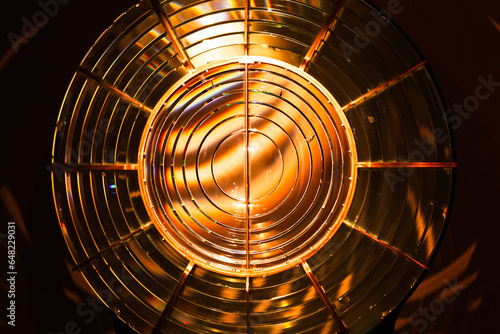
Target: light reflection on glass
(269,186)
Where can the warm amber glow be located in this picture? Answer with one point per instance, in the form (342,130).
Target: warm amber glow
(245,166)
(252,161)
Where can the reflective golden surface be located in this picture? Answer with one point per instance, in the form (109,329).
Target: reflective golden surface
(247,184)
(245,166)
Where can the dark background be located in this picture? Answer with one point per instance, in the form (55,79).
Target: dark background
(461,41)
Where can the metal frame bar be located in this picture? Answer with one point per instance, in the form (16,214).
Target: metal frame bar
(324,298)
(383,86)
(99,167)
(389,164)
(329,24)
(113,245)
(247,26)
(171,35)
(171,302)
(386,245)
(247,173)
(114,90)
(247,304)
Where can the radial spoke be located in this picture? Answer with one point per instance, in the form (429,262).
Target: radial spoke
(110,247)
(172,36)
(246,172)
(107,167)
(329,24)
(383,86)
(114,90)
(247,163)
(175,295)
(324,298)
(382,164)
(247,25)
(386,245)
(247,303)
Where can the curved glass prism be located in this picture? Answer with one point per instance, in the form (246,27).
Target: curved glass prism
(252,166)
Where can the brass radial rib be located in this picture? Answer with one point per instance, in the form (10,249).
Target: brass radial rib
(329,24)
(175,295)
(383,86)
(381,164)
(110,247)
(171,35)
(247,173)
(247,304)
(247,25)
(114,90)
(324,298)
(96,167)
(395,250)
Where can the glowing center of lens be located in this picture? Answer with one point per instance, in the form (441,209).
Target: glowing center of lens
(265,166)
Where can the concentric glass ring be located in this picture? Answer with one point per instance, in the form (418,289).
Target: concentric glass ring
(248,183)
(252,166)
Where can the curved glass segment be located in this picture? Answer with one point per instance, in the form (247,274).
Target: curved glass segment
(237,166)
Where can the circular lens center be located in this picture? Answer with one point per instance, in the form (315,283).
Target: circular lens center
(265,166)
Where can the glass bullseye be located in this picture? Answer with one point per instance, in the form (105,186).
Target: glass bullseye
(265,166)
(247,167)
(246,173)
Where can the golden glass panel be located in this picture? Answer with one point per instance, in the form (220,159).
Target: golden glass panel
(252,167)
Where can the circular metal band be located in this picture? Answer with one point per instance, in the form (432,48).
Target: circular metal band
(247,192)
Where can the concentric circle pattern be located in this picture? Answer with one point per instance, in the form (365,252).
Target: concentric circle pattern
(247,167)
(252,167)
